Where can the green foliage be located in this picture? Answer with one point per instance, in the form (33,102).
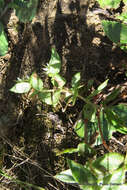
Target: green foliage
(115,30)
(21,87)
(98,120)
(109,3)
(106,172)
(3,41)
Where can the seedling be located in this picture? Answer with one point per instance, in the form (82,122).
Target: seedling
(96,124)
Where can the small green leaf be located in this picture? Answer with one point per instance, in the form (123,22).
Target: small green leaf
(99,89)
(75,80)
(116,116)
(115,179)
(66,176)
(67,151)
(54,65)
(123,17)
(25,10)
(82,175)
(102,86)
(115,31)
(3,41)
(36,82)
(79,128)
(56,97)
(58,81)
(21,87)
(107,163)
(109,3)
(45,97)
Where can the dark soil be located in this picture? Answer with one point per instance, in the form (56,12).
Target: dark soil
(28,135)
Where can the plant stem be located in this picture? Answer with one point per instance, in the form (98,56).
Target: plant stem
(99,125)
(85,131)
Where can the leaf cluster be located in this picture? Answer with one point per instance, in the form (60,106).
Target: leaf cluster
(96,124)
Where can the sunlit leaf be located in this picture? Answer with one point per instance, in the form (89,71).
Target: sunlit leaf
(67,151)
(123,17)
(115,31)
(58,81)
(56,97)
(21,87)
(75,80)
(99,89)
(36,82)
(107,163)
(114,180)
(93,130)
(82,175)
(3,41)
(45,97)
(116,116)
(79,128)
(54,65)
(66,176)
(109,3)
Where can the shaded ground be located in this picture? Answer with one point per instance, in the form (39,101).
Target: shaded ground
(28,137)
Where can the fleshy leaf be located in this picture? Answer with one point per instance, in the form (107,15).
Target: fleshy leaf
(115,31)
(36,82)
(107,163)
(45,97)
(54,65)
(58,81)
(79,128)
(21,87)
(66,176)
(56,97)
(75,80)
(99,89)
(93,131)
(114,180)
(3,41)
(116,116)
(82,175)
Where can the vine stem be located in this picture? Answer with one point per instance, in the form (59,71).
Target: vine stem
(85,131)
(100,130)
